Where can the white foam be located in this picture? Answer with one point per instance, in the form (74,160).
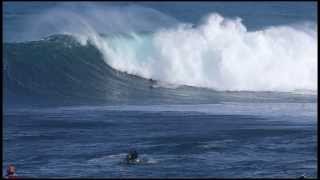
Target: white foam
(219,54)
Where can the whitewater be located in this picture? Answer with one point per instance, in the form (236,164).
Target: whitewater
(219,54)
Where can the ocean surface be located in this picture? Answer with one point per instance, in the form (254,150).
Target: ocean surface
(199,89)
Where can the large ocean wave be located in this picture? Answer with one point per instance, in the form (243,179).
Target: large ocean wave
(59,69)
(82,56)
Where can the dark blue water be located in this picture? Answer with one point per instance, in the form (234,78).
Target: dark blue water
(174,141)
(67,113)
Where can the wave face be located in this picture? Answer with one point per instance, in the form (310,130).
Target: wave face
(59,70)
(219,54)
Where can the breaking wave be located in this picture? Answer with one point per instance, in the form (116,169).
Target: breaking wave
(84,59)
(219,54)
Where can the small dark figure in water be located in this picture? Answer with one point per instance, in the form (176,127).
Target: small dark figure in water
(11,172)
(132,156)
(152,82)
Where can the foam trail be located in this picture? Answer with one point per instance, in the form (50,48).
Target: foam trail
(219,54)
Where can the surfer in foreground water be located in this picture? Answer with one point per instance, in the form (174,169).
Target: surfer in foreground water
(132,157)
